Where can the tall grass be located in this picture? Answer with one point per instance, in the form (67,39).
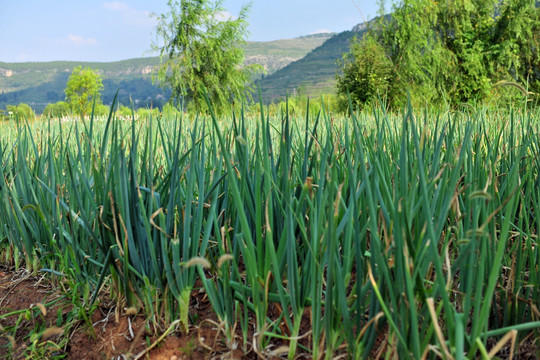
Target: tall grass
(413,235)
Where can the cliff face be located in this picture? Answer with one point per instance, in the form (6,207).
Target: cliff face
(270,63)
(6,72)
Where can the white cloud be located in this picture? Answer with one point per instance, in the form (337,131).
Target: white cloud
(128,15)
(79,40)
(117,6)
(321,31)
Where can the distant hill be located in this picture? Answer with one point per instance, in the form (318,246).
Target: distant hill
(313,74)
(274,55)
(40,83)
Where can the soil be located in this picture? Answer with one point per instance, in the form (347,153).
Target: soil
(41,330)
(38,321)
(115,335)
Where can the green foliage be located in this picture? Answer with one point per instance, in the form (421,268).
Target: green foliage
(124,111)
(367,72)
(170,111)
(301,105)
(56,110)
(83,88)
(457,51)
(101,110)
(21,111)
(203,53)
(382,233)
(147,113)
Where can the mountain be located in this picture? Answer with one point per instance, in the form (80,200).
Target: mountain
(274,55)
(313,74)
(40,83)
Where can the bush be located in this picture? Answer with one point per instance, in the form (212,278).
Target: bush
(124,112)
(101,110)
(21,111)
(56,110)
(367,72)
(170,111)
(297,105)
(146,113)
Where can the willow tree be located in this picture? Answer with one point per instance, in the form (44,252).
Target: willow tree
(200,50)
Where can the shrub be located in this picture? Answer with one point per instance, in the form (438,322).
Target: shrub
(56,110)
(21,111)
(366,73)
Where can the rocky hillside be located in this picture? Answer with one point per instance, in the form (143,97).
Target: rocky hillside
(41,83)
(275,55)
(314,73)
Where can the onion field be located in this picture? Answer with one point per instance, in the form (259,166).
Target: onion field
(410,235)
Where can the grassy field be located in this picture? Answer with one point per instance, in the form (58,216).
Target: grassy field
(412,235)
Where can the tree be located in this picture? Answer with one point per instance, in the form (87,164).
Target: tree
(82,90)
(202,52)
(458,51)
(56,110)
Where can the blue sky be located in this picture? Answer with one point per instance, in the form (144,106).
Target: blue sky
(109,30)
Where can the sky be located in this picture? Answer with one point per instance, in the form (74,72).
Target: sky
(107,30)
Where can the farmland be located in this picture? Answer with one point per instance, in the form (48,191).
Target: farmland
(411,235)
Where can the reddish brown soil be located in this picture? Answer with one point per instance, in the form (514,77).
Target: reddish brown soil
(111,335)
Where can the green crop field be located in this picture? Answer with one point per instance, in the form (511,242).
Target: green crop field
(402,236)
